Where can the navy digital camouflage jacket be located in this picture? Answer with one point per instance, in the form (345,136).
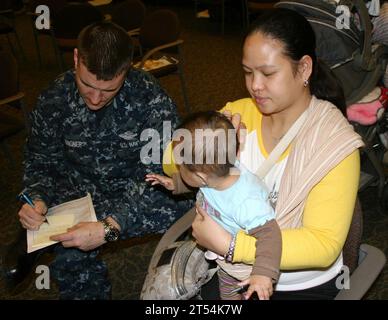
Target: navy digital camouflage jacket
(70,151)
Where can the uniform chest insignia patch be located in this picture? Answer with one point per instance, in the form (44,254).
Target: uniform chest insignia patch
(75,144)
(128,135)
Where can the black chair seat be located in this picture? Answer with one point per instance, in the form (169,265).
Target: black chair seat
(164,71)
(161,71)
(10,97)
(129,14)
(44,31)
(5,28)
(73,18)
(158,37)
(9,125)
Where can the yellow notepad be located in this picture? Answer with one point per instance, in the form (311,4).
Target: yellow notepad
(60,218)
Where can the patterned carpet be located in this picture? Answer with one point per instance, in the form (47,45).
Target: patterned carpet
(214,77)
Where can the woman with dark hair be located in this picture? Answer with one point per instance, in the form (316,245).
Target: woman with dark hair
(314,182)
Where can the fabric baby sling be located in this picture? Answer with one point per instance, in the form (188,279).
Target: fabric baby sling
(178,269)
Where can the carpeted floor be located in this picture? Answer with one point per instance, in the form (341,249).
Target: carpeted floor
(214,77)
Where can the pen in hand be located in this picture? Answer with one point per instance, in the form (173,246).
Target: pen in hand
(25,198)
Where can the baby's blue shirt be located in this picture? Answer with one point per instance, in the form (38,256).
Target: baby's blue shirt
(244,205)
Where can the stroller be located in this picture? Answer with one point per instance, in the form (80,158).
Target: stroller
(347,50)
(359,65)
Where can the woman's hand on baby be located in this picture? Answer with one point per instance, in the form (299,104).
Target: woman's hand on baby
(155,179)
(262,285)
(240,128)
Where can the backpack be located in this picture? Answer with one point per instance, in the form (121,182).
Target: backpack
(178,269)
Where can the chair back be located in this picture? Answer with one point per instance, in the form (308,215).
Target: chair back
(55,6)
(159,27)
(73,18)
(129,14)
(353,241)
(9,75)
(261,4)
(14,5)
(9,85)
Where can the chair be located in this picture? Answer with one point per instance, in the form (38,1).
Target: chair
(220,3)
(55,7)
(158,35)
(254,6)
(364,261)
(370,264)
(129,14)
(8,10)
(10,124)
(68,24)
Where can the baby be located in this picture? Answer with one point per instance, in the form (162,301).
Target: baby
(205,149)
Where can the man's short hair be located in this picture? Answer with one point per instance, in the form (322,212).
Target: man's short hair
(105,49)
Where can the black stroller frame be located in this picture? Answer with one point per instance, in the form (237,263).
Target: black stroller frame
(359,65)
(372,167)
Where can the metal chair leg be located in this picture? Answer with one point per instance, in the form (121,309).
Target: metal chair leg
(379,169)
(37,46)
(58,53)
(25,115)
(11,45)
(20,46)
(8,154)
(182,80)
(244,14)
(247,15)
(183,84)
(195,8)
(222,17)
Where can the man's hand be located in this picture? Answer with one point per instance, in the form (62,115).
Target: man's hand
(261,284)
(166,182)
(84,236)
(32,218)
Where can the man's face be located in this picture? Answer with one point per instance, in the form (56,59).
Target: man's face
(96,93)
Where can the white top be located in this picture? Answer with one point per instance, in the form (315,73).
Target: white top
(295,280)
(254,158)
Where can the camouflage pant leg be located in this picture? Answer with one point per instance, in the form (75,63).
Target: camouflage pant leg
(80,275)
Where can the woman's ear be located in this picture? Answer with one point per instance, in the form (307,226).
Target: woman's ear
(305,67)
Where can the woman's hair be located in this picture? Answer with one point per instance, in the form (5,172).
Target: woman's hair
(106,50)
(210,144)
(298,39)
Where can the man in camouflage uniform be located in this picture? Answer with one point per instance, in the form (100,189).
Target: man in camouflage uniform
(85,137)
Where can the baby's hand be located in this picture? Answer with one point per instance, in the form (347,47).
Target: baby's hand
(166,182)
(261,284)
